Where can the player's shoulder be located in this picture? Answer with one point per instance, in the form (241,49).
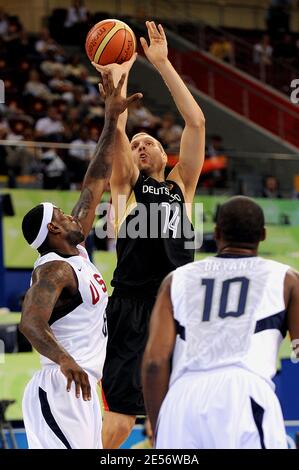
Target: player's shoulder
(57,271)
(274,265)
(187,268)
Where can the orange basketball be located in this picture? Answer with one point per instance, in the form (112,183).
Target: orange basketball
(110,41)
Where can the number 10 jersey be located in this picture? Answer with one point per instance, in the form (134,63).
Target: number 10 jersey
(228,310)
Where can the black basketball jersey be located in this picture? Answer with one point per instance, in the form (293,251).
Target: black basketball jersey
(154,238)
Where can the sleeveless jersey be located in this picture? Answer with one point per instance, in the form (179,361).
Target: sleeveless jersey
(154,237)
(80,326)
(228,311)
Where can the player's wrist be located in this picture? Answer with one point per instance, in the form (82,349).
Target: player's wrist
(161,63)
(111,115)
(64,358)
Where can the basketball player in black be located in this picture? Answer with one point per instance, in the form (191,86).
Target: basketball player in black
(138,178)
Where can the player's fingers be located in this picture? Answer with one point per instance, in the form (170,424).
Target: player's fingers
(69,382)
(85,387)
(102,93)
(120,83)
(135,97)
(110,81)
(105,82)
(162,32)
(133,58)
(148,26)
(100,68)
(77,384)
(151,31)
(155,29)
(144,44)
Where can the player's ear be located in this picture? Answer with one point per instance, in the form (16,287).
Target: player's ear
(263,235)
(53,228)
(217,234)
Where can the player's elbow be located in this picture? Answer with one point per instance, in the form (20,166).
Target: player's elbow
(196,121)
(24,328)
(153,365)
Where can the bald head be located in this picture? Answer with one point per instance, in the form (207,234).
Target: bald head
(240,220)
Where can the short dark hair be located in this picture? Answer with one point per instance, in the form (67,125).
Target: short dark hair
(31,224)
(241,220)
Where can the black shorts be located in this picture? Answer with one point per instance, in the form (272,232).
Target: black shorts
(127,321)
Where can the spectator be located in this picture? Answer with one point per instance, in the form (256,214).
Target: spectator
(74,67)
(214,172)
(51,63)
(140,117)
(35,87)
(76,14)
(262,52)
(3,23)
(23,160)
(46,44)
(84,139)
(59,84)
(76,22)
(170,133)
(49,125)
(222,48)
(271,187)
(54,171)
(215,147)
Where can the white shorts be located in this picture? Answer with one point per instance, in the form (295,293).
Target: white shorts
(228,408)
(55,418)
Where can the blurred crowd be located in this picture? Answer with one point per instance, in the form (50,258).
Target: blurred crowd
(51,96)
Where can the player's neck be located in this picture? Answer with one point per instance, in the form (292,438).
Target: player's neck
(237,250)
(160,177)
(63,249)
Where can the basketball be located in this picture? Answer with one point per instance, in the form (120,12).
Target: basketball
(110,41)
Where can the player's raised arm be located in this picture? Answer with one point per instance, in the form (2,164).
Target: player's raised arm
(99,169)
(47,284)
(187,171)
(158,352)
(124,170)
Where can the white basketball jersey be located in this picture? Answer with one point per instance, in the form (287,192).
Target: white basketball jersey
(80,326)
(228,311)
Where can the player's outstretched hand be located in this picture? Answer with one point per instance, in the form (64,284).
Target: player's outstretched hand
(115,103)
(157,51)
(75,373)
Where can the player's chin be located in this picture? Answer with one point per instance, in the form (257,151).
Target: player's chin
(145,167)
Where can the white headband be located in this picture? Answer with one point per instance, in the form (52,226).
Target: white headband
(43,231)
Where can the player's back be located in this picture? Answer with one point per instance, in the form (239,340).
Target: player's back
(229,310)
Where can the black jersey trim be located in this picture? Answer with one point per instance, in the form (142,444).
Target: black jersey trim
(177,186)
(180,330)
(278,321)
(49,418)
(60,312)
(234,255)
(258,415)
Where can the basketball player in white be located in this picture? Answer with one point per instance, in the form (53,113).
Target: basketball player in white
(214,337)
(64,310)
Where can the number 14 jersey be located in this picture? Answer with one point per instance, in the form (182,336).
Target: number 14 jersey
(154,237)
